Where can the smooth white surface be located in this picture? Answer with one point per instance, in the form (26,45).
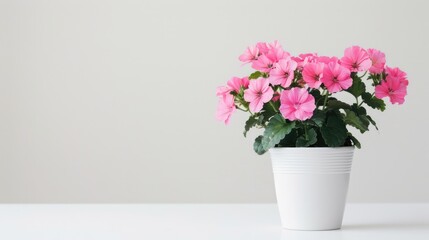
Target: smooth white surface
(311,186)
(202,221)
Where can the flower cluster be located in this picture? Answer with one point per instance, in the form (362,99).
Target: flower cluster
(292,96)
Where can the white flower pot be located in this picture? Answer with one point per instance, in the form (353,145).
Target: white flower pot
(311,186)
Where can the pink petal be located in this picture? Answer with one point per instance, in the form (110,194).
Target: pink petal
(250,96)
(268,95)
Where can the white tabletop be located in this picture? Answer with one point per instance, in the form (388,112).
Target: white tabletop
(202,222)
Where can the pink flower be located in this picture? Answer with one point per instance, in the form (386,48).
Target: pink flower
(394,88)
(271,53)
(236,83)
(222,91)
(304,59)
(258,93)
(263,64)
(262,47)
(397,73)
(297,104)
(327,60)
(250,55)
(265,47)
(312,74)
(378,60)
(226,108)
(283,73)
(336,77)
(356,59)
(277,54)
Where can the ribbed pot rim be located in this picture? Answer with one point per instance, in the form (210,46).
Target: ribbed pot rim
(318,160)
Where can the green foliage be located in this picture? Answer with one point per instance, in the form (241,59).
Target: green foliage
(317,97)
(275,131)
(253,121)
(318,117)
(354,140)
(320,141)
(336,104)
(359,110)
(334,132)
(289,140)
(372,121)
(255,75)
(358,87)
(356,121)
(257,146)
(307,139)
(373,102)
(269,110)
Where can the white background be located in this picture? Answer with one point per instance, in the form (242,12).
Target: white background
(114,101)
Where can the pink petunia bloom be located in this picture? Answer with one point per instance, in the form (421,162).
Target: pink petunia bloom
(327,60)
(222,91)
(283,73)
(226,108)
(297,104)
(356,59)
(258,93)
(304,59)
(235,83)
(265,47)
(336,77)
(378,60)
(394,88)
(397,73)
(312,74)
(263,64)
(251,54)
(277,54)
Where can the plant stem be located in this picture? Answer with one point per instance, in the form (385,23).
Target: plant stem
(372,95)
(274,107)
(363,74)
(325,101)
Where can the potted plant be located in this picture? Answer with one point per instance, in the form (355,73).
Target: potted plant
(306,126)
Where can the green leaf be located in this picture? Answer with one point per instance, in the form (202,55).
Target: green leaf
(255,75)
(357,88)
(320,141)
(334,132)
(289,140)
(318,117)
(372,121)
(275,131)
(336,104)
(305,141)
(364,120)
(354,140)
(373,101)
(251,122)
(356,121)
(359,110)
(257,146)
(269,111)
